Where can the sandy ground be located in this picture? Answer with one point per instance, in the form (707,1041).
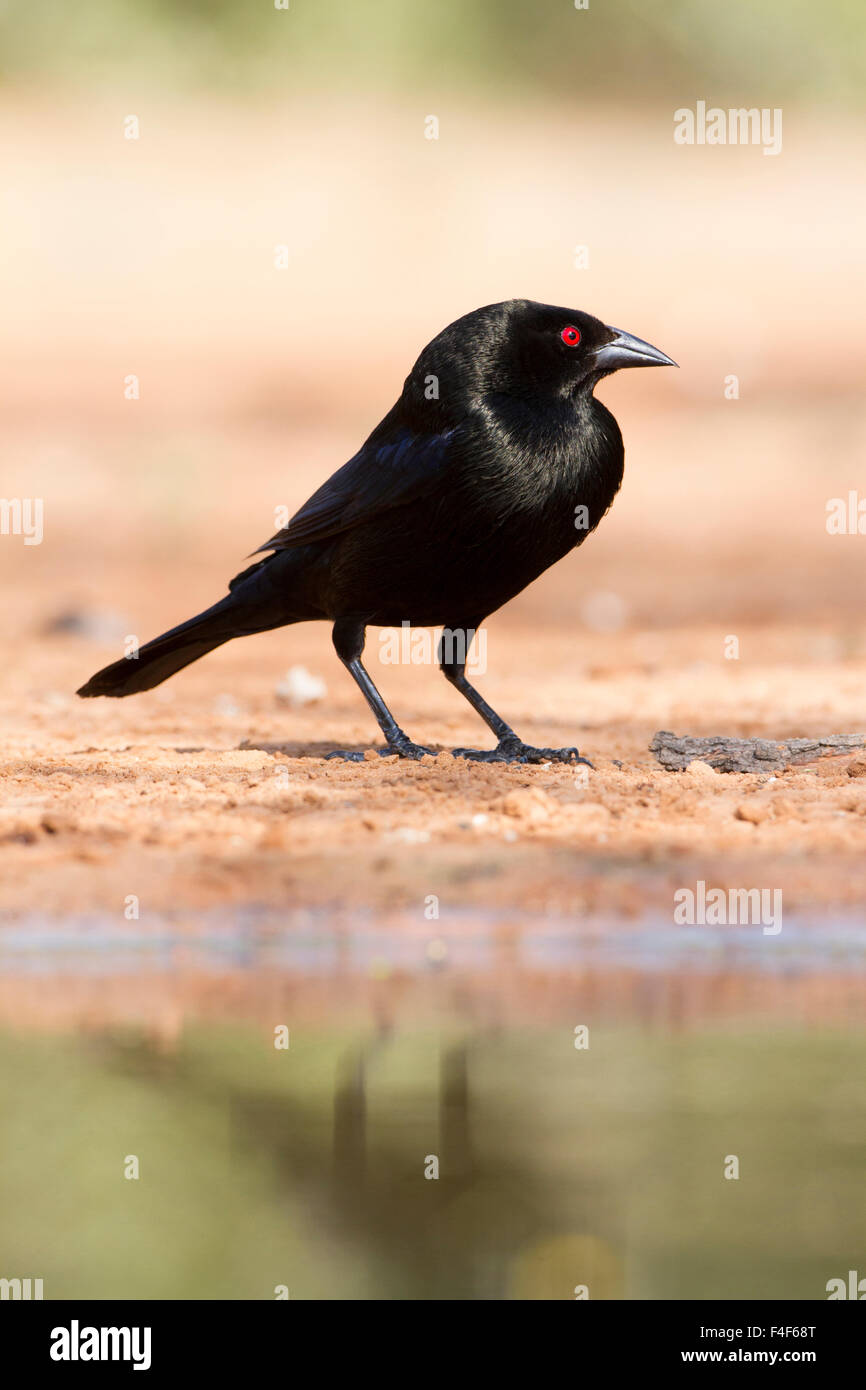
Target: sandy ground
(213,789)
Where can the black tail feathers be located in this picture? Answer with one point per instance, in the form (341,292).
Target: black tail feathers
(159,659)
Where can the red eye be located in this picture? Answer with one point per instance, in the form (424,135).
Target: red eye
(570,335)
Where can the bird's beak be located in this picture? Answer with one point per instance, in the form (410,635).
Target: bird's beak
(627,351)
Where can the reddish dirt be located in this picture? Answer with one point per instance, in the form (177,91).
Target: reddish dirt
(212,788)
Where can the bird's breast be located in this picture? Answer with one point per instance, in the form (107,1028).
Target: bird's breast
(517,505)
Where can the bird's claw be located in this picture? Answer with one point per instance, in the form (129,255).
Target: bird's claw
(407,749)
(403,749)
(513,750)
(507,750)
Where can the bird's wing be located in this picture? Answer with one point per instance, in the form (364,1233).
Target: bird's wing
(380,476)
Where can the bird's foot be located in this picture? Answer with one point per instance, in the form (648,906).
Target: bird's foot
(511,749)
(401,748)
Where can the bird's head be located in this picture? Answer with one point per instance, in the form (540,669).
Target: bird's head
(524,348)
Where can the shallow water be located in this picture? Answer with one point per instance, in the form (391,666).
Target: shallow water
(417,1043)
(324,943)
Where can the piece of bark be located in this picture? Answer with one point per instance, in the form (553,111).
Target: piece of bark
(748,754)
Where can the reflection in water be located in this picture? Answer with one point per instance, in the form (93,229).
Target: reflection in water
(350,1120)
(432,1131)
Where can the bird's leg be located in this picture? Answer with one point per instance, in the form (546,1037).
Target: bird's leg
(509,748)
(348,638)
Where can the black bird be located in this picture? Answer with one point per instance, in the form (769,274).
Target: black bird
(496,461)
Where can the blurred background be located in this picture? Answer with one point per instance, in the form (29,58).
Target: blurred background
(226,238)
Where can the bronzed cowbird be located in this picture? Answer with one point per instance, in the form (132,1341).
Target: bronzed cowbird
(496,461)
